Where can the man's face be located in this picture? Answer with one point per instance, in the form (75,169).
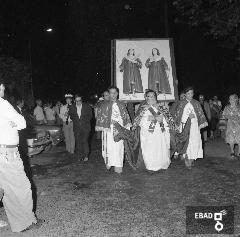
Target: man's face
(78,101)
(151,99)
(215,98)
(233,100)
(2,89)
(201,98)
(21,104)
(106,95)
(113,94)
(189,95)
(182,96)
(39,103)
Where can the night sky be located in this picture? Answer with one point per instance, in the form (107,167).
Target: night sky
(75,56)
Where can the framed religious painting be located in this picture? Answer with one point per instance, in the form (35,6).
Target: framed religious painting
(142,64)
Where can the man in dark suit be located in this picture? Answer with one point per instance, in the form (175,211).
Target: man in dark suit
(81,115)
(23,146)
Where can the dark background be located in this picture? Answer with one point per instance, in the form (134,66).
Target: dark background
(75,56)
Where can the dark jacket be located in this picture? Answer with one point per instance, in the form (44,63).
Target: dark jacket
(84,122)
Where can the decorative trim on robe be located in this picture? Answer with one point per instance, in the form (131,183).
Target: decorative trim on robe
(202,121)
(104,114)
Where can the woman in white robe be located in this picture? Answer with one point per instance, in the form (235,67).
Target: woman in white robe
(154,135)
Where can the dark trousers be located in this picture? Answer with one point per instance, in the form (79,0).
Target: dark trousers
(81,143)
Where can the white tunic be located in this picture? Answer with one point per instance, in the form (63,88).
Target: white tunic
(155,146)
(10,122)
(113,152)
(194,150)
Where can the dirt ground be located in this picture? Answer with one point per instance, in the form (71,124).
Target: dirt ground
(83,199)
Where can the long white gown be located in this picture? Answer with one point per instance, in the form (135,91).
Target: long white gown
(113,152)
(155,146)
(194,150)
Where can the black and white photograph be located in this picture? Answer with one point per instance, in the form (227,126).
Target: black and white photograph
(119,118)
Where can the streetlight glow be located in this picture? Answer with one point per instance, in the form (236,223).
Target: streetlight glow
(49,30)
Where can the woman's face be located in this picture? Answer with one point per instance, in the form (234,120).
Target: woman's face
(154,51)
(233,100)
(151,99)
(189,95)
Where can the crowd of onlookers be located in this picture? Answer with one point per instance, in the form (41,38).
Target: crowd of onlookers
(212,109)
(49,113)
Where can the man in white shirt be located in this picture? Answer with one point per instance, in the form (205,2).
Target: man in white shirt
(38,113)
(67,124)
(17,198)
(50,114)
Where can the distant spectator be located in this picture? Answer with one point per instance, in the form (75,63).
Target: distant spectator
(38,113)
(215,113)
(57,108)
(50,114)
(217,102)
(19,105)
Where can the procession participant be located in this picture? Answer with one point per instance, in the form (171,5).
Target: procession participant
(110,113)
(81,115)
(68,124)
(215,114)
(190,108)
(173,107)
(207,113)
(105,97)
(17,197)
(38,113)
(155,122)
(232,113)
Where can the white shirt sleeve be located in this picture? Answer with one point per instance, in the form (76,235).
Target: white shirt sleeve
(62,112)
(12,115)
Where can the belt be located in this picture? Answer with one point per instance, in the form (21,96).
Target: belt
(8,146)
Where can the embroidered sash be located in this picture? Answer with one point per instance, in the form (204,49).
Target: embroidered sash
(154,122)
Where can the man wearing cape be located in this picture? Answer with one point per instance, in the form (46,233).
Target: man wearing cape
(108,114)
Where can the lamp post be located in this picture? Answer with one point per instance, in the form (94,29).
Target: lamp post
(30,60)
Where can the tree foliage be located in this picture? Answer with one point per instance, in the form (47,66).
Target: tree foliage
(220,17)
(17,76)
